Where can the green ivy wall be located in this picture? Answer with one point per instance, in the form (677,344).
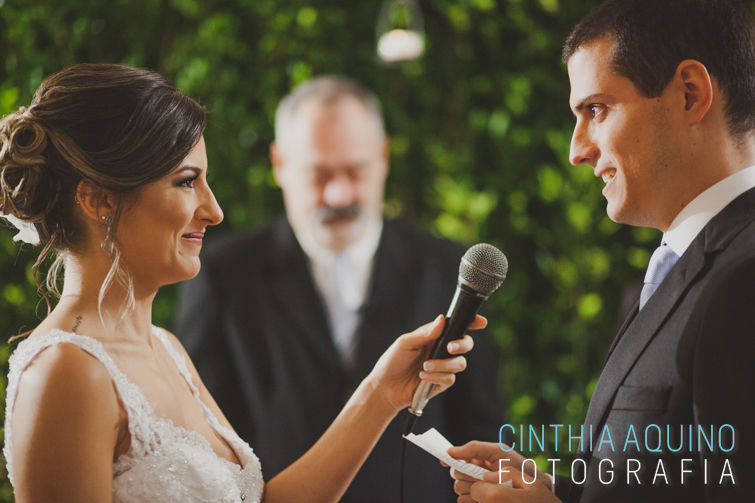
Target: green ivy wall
(479,128)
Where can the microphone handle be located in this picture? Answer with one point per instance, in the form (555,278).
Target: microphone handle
(461,313)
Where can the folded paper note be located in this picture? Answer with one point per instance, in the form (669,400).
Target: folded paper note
(437,445)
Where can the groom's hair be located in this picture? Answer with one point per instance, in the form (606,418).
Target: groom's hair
(651,38)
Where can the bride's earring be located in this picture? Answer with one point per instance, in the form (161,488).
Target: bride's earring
(107,243)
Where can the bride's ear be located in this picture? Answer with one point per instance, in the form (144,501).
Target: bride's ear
(95,202)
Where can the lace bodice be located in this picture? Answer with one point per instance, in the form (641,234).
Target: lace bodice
(165,463)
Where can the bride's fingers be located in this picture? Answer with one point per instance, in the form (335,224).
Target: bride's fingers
(420,337)
(460,346)
(478,323)
(441,381)
(448,365)
(441,373)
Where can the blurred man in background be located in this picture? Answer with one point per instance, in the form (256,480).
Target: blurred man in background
(283,322)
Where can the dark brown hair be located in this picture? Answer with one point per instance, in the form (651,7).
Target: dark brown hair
(116,126)
(651,38)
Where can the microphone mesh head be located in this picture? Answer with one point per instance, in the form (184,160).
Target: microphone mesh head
(483,267)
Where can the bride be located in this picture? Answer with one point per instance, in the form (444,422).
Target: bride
(107,170)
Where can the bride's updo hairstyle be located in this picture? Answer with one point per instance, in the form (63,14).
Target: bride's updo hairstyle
(116,126)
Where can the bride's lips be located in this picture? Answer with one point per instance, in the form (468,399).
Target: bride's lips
(194,237)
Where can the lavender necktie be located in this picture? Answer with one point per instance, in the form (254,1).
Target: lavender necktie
(661,262)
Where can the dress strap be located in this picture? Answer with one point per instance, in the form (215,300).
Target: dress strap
(133,400)
(180,362)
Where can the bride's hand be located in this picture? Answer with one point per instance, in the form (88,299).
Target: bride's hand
(399,370)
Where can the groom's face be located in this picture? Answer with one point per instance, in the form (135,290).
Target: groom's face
(627,138)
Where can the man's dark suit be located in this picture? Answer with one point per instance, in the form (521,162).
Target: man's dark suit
(687,358)
(256,328)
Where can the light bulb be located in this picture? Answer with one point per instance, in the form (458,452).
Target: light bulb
(400,33)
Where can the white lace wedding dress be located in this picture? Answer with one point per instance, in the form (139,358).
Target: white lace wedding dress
(165,463)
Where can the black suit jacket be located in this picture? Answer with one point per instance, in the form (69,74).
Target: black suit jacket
(256,328)
(687,358)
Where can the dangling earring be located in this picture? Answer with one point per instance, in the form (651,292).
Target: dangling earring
(107,243)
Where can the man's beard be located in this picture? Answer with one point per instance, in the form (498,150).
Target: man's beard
(327,215)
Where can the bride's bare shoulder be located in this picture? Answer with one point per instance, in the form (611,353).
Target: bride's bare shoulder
(64,377)
(66,416)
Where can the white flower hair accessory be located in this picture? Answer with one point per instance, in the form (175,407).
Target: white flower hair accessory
(27,233)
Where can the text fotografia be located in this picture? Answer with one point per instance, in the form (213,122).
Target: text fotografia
(635,455)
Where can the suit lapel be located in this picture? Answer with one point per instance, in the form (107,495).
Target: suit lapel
(642,326)
(293,292)
(641,329)
(627,321)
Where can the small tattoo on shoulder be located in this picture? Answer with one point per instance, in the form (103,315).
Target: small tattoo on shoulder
(76,326)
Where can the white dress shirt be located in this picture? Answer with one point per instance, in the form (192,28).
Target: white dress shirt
(343,279)
(691,220)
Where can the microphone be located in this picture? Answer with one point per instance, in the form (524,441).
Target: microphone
(481,271)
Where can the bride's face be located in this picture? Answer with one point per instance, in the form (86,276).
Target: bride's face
(161,228)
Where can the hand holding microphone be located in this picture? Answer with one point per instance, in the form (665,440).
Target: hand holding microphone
(481,271)
(404,364)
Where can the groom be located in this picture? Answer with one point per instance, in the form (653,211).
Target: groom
(663,92)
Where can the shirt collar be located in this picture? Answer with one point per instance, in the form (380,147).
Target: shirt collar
(691,220)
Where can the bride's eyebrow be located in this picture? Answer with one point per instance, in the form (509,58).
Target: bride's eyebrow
(193,169)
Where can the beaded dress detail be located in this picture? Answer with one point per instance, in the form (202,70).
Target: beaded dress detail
(165,462)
